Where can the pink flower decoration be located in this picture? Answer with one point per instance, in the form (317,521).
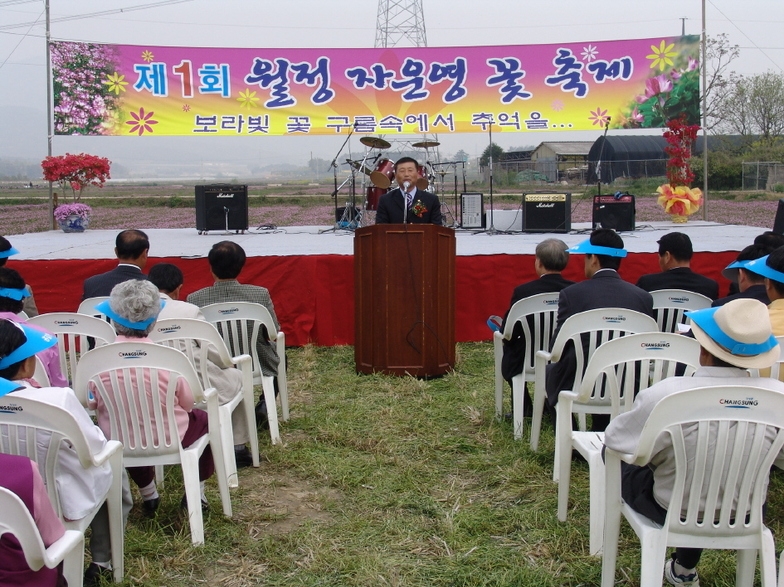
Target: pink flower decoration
(141,122)
(655,86)
(636,116)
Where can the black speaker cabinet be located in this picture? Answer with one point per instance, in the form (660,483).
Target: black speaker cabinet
(778,223)
(547,212)
(616,212)
(221,207)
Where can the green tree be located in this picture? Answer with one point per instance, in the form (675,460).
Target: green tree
(496,151)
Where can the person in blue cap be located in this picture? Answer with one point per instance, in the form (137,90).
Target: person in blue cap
(733,338)
(744,282)
(771,268)
(6,250)
(603,288)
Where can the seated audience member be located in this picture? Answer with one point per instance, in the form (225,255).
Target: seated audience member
(80,489)
(771,268)
(169,279)
(12,294)
(675,253)
(603,288)
(20,475)
(6,250)
(226,260)
(551,258)
(740,326)
(133,307)
(131,248)
(750,284)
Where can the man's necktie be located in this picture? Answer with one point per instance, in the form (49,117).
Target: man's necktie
(409,199)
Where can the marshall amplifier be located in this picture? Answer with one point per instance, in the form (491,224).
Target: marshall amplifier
(616,212)
(550,212)
(221,207)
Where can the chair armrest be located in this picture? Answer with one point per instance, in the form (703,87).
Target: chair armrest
(240,360)
(111,447)
(59,549)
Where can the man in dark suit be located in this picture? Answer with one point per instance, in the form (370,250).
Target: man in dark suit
(131,248)
(551,258)
(603,288)
(422,206)
(675,253)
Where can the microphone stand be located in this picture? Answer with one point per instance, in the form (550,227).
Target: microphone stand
(405,204)
(334,166)
(599,162)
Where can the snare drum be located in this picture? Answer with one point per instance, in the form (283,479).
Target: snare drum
(422,182)
(383,174)
(373,196)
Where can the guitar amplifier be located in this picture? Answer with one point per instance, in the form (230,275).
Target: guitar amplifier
(616,212)
(547,212)
(221,207)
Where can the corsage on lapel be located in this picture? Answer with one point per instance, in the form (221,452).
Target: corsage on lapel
(419,208)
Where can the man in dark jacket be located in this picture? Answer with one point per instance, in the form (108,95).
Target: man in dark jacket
(131,248)
(675,253)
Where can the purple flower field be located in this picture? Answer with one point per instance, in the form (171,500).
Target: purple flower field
(33,217)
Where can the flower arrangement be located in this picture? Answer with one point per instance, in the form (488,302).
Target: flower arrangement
(419,208)
(76,171)
(63,211)
(676,197)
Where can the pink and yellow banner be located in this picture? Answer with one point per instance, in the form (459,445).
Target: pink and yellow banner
(130,90)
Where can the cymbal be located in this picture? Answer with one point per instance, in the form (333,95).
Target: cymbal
(426,144)
(358,166)
(375,143)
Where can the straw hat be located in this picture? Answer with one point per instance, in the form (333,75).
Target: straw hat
(738,332)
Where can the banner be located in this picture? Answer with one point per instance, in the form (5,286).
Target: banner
(131,90)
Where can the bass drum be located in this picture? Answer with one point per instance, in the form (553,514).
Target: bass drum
(422,182)
(383,174)
(373,196)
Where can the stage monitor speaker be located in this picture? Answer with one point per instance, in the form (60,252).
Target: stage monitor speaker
(547,212)
(616,212)
(778,223)
(472,210)
(221,207)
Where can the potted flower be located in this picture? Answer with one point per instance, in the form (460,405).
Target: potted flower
(73,217)
(75,172)
(676,197)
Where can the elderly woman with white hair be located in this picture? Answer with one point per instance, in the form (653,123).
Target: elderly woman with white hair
(133,306)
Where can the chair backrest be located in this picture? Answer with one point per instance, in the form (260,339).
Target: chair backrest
(180,333)
(725,440)
(537,317)
(240,325)
(28,426)
(136,382)
(16,520)
(72,330)
(669,305)
(621,368)
(590,329)
(88,306)
(41,376)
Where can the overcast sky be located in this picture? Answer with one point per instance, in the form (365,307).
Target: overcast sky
(754,25)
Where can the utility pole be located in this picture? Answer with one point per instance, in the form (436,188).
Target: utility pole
(400,23)
(683,26)
(49,130)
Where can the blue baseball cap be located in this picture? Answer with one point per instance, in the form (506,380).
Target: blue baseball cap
(7,386)
(586,248)
(105,308)
(731,270)
(8,252)
(37,341)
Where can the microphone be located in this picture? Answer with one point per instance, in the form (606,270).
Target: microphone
(406,185)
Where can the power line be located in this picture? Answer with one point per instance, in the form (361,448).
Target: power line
(22,39)
(100,13)
(745,35)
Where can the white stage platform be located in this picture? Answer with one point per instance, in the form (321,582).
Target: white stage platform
(320,240)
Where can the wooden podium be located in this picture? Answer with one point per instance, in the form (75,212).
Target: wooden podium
(404,292)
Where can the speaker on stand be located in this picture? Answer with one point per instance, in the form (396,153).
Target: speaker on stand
(616,212)
(221,207)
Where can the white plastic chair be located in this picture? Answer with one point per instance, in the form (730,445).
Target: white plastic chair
(775,369)
(617,371)
(540,312)
(116,371)
(72,330)
(68,549)
(669,306)
(598,326)
(26,429)
(195,338)
(88,306)
(240,326)
(736,473)
(41,376)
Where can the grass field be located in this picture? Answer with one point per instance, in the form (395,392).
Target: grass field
(392,481)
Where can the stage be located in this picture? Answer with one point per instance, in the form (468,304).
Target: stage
(310,272)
